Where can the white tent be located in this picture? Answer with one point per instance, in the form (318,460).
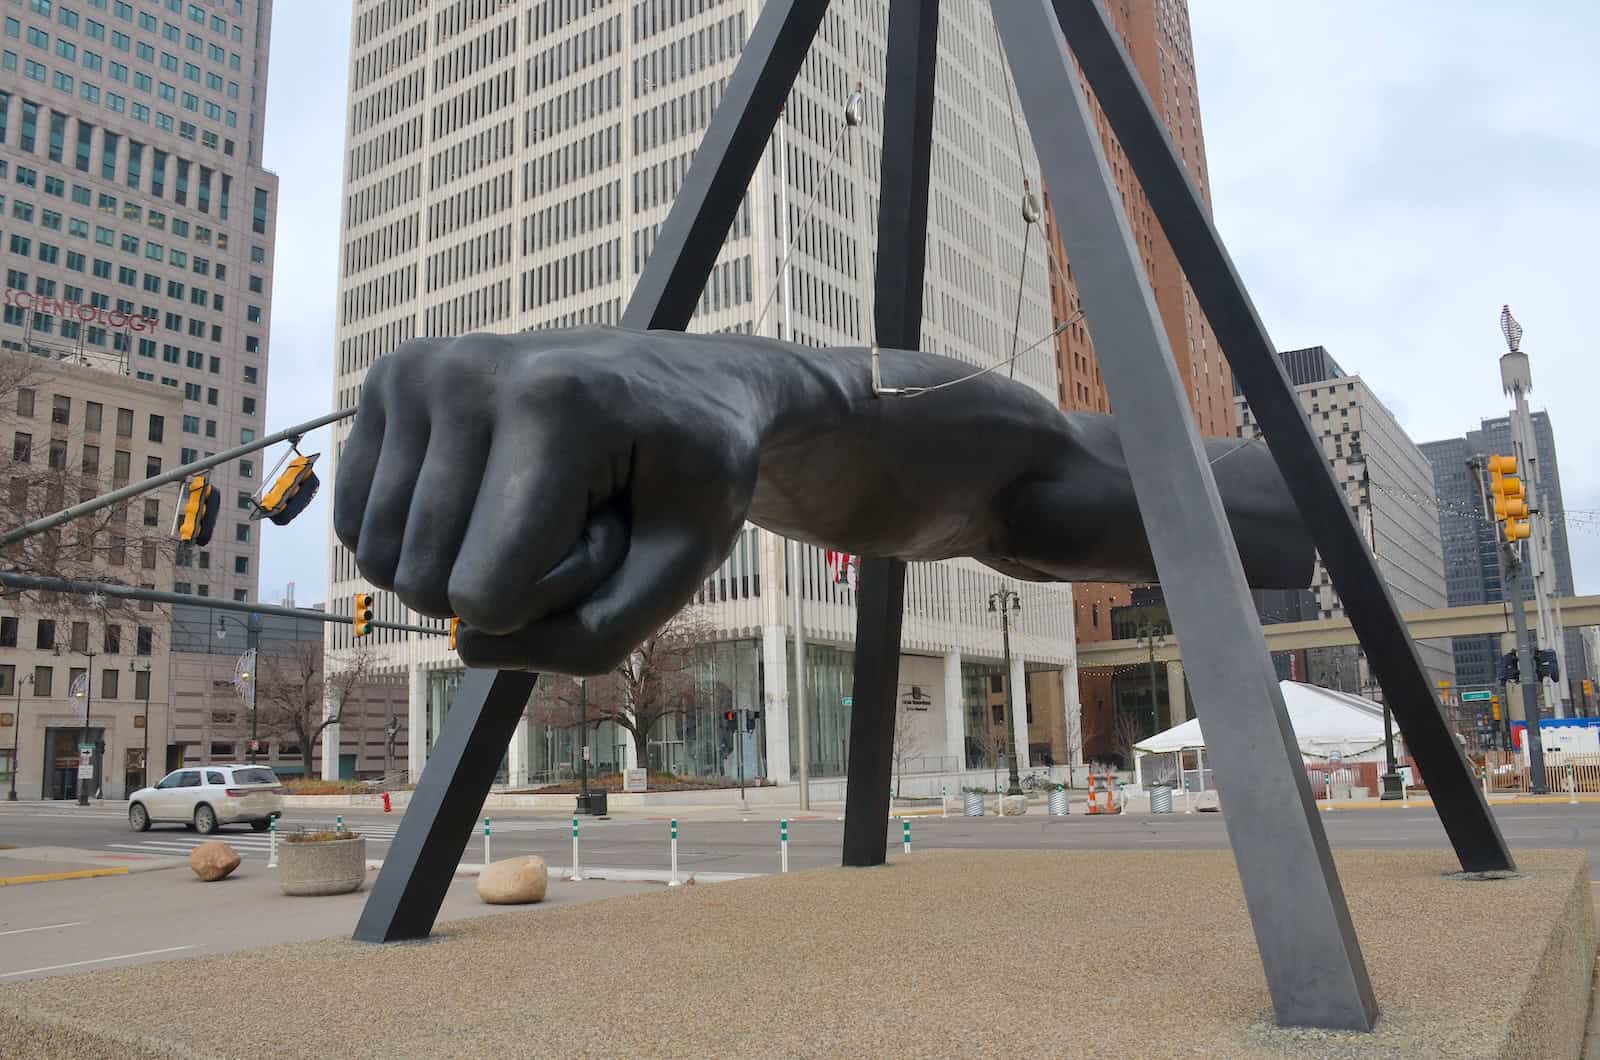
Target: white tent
(1327,725)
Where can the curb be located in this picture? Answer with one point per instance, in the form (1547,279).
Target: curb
(51,877)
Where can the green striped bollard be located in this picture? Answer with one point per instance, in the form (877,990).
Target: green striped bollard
(338,823)
(783,845)
(944,800)
(576,875)
(905,824)
(672,880)
(272,843)
(486,841)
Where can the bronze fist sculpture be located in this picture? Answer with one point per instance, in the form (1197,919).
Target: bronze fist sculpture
(565,492)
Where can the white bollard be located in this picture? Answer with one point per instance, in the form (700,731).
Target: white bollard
(486,857)
(672,880)
(1572,785)
(1484,775)
(576,874)
(783,845)
(1405,794)
(944,800)
(272,843)
(905,823)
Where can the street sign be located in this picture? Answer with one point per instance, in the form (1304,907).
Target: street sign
(635,780)
(847,701)
(1476,697)
(86,761)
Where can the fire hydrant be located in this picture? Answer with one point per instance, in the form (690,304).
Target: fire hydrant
(386,802)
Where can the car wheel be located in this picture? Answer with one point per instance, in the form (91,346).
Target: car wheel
(205,819)
(138,818)
(259,826)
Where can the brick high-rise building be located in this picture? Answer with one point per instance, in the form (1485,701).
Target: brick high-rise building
(1156,34)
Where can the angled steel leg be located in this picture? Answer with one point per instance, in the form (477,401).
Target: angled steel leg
(416,873)
(1313,963)
(902,245)
(1366,599)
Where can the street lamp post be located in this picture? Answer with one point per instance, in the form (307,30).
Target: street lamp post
(134,669)
(16,738)
(1006,601)
(88,706)
(246,672)
(583,744)
(1151,637)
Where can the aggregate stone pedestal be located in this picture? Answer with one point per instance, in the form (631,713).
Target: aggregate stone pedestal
(1135,953)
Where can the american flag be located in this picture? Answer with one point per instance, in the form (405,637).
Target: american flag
(844,568)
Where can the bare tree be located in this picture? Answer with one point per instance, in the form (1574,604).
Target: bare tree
(904,729)
(1125,732)
(297,697)
(655,681)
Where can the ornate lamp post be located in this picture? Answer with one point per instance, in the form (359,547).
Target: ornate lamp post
(1006,601)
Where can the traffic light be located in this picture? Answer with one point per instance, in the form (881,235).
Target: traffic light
(751,717)
(1510,501)
(1509,671)
(291,488)
(1494,705)
(197,511)
(1546,664)
(363,614)
(730,718)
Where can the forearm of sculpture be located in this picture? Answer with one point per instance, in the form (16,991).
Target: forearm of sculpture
(564,492)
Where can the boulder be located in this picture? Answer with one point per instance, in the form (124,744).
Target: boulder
(514,881)
(213,860)
(1013,805)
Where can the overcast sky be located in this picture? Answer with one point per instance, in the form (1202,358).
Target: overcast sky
(1385,176)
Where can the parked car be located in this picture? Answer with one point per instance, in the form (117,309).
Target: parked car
(206,797)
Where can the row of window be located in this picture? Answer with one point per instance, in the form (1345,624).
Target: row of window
(41,683)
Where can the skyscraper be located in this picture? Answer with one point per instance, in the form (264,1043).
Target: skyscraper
(1387,482)
(137,237)
(139,234)
(1156,33)
(508,167)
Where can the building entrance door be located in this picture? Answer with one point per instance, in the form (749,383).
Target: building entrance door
(61,762)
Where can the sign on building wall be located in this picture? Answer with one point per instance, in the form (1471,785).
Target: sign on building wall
(88,314)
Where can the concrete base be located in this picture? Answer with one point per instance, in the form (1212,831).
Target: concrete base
(1164,962)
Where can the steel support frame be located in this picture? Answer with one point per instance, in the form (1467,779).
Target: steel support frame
(913,36)
(1373,614)
(1314,968)
(432,836)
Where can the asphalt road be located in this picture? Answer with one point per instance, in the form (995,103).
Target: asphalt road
(751,846)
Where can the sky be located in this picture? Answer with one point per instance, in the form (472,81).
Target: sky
(1385,177)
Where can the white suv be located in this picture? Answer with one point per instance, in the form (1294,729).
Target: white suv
(205,797)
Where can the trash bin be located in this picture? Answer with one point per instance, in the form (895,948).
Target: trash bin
(1160,799)
(1059,806)
(597,803)
(972,804)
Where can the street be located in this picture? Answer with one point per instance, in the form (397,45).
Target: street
(751,846)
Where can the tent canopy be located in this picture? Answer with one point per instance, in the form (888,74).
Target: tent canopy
(1324,722)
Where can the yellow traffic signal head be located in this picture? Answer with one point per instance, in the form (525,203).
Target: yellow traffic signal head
(363,614)
(455,625)
(1517,529)
(1502,465)
(197,511)
(1510,507)
(289,490)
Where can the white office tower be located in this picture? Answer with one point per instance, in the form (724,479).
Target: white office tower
(508,168)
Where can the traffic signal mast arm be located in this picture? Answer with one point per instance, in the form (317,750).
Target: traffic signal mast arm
(177,474)
(128,592)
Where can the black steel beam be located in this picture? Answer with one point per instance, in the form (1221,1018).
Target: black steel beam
(1377,622)
(439,821)
(913,38)
(416,873)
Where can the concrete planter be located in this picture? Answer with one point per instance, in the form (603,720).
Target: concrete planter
(335,867)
